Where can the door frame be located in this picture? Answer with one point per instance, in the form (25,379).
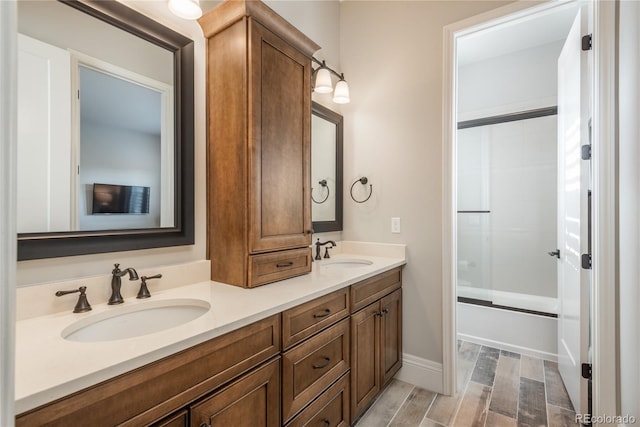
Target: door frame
(603,316)
(8,221)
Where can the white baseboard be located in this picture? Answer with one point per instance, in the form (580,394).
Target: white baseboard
(509,347)
(421,372)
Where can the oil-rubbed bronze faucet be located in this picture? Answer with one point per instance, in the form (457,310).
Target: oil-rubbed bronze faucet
(326,251)
(116,283)
(144,290)
(83,304)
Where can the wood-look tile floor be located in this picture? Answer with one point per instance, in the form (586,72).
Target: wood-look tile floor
(499,389)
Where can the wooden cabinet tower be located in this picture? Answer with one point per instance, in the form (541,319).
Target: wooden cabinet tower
(258,150)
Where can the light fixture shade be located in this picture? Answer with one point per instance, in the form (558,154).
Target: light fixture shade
(341,94)
(186,9)
(323,81)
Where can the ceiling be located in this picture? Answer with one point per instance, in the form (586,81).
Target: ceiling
(118,103)
(518,35)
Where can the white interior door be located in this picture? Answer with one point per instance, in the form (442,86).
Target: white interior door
(44,137)
(573,179)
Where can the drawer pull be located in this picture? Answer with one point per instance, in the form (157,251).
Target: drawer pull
(325,313)
(326,359)
(284,264)
(326,422)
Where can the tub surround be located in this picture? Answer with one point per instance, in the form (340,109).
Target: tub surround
(48,367)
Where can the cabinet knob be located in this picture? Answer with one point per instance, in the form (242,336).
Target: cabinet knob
(309,231)
(205,425)
(385,311)
(326,422)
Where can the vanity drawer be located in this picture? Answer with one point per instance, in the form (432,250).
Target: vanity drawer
(164,386)
(309,368)
(330,409)
(305,320)
(372,289)
(270,267)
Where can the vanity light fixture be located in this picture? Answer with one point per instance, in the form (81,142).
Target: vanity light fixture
(341,94)
(323,83)
(186,9)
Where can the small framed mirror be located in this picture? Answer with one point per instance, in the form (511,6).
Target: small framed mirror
(326,169)
(105,130)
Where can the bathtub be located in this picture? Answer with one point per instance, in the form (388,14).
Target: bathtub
(521,332)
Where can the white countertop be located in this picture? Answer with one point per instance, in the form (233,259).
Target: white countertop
(49,367)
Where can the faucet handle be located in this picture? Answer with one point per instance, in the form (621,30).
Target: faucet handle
(326,251)
(83,304)
(144,290)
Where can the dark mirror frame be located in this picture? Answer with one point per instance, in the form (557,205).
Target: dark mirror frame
(337,119)
(60,244)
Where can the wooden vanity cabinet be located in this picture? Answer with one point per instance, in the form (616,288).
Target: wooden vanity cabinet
(330,409)
(319,363)
(316,361)
(258,149)
(179,419)
(152,392)
(252,400)
(376,337)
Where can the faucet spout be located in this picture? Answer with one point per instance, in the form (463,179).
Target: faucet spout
(116,283)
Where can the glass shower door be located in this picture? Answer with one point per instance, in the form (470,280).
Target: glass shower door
(474,219)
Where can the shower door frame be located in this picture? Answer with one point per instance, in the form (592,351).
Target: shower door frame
(604,313)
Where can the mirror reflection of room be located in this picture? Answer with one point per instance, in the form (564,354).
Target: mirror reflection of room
(93,111)
(323,169)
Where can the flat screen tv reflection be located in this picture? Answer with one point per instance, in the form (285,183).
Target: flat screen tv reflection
(120,199)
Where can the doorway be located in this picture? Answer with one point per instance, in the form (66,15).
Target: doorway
(477,220)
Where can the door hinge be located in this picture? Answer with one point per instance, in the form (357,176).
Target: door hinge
(587,42)
(586,152)
(586,371)
(586,261)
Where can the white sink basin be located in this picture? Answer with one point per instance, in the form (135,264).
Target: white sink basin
(346,263)
(134,320)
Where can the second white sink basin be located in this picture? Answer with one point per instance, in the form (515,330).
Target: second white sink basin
(128,321)
(346,263)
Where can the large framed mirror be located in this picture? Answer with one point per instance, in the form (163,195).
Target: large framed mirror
(105,130)
(326,169)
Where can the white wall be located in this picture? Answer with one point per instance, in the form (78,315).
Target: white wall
(629,208)
(118,156)
(518,81)
(391,53)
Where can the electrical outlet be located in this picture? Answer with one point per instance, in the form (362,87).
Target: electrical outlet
(395,225)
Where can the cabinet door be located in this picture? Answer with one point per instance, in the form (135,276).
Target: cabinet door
(251,401)
(279,143)
(180,419)
(365,358)
(391,335)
